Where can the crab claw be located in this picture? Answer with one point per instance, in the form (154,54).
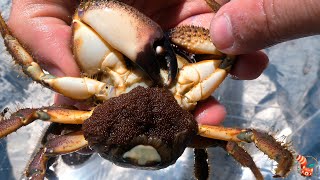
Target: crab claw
(145,43)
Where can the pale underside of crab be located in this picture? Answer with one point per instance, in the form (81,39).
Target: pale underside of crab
(123,49)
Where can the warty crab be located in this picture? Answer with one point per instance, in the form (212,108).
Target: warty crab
(145,85)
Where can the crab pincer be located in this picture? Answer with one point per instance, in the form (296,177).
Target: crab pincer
(131,33)
(122,55)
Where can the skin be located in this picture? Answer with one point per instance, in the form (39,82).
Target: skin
(43,26)
(263,23)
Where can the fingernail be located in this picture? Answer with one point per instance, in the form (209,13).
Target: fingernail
(221,32)
(201,116)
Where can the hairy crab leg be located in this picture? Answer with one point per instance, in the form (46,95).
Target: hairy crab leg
(60,145)
(21,56)
(265,142)
(201,167)
(240,155)
(66,143)
(214,5)
(232,148)
(24,117)
(76,88)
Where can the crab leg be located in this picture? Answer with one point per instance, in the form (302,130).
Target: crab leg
(76,88)
(65,143)
(201,167)
(60,145)
(232,148)
(24,117)
(265,142)
(240,155)
(213,5)
(21,56)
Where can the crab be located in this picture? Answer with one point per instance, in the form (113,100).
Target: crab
(144,83)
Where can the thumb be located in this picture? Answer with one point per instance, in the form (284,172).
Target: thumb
(243,26)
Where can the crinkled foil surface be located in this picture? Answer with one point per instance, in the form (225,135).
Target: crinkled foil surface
(284,100)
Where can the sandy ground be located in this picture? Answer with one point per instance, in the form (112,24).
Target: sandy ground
(284,100)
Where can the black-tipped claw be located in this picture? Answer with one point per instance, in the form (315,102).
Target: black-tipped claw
(160,56)
(171,61)
(167,59)
(148,63)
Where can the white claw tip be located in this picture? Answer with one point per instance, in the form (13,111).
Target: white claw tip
(160,50)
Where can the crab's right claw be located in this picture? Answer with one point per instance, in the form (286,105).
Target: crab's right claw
(145,42)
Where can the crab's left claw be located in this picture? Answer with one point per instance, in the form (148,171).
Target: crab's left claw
(131,33)
(164,51)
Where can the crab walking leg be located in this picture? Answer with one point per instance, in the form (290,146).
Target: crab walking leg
(240,155)
(213,5)
(78,88)
(265,142)
(60,145)
(24,117)
(201,167)
(232,148)
(20,55)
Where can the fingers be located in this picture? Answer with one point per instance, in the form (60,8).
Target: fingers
(42,27)
(243,26)
(209,112)
(249,66)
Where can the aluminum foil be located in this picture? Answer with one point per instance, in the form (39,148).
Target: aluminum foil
(284,100)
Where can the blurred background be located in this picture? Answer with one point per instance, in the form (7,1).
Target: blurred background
(284,100)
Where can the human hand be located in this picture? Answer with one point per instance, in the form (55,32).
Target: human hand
(44,28)
(244,26)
